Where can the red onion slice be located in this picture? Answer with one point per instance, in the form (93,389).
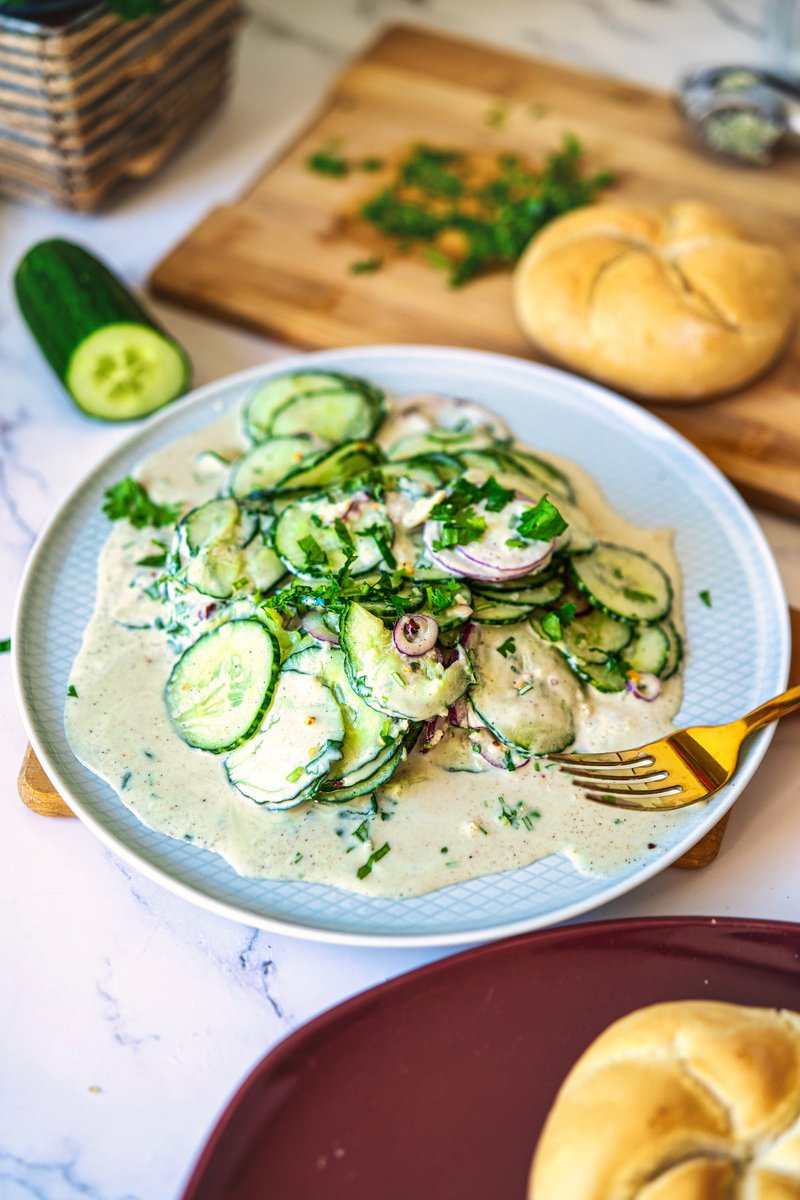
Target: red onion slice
(314,623)
(643,685)
(495,753)
(540,555)
(415,634)
(434,732)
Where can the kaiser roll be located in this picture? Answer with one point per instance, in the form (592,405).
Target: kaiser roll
(672,305)
(693,1100)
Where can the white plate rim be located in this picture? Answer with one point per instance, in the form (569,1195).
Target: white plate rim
(241,914)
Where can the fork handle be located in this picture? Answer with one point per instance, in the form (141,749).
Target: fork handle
(771,710)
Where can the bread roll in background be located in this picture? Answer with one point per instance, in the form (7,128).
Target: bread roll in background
(692,1100)
(672,305)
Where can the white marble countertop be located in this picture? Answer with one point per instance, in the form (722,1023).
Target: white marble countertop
(127,1015)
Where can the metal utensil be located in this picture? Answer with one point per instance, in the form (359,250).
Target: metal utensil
(683,768)
(740,112)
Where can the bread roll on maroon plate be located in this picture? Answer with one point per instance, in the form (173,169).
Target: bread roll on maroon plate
(692,1100)
(671,305)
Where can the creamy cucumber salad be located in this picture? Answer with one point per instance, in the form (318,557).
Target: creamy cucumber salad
(338,634)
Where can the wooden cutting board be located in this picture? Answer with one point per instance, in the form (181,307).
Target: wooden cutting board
(278,259)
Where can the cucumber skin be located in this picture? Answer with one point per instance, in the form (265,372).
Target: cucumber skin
(65,294)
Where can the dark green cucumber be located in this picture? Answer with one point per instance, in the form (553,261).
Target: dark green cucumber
(113,359)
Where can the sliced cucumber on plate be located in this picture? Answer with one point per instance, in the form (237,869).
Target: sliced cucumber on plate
(220,687)
(295,746)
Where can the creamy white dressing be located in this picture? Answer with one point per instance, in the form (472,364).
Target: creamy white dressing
(442,827)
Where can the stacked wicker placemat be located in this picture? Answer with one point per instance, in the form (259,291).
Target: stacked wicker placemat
(93,101)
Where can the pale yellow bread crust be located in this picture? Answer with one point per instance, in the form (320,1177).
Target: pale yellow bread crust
(670,304)
(693,1100)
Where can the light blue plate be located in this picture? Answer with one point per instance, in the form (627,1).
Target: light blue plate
(739,649)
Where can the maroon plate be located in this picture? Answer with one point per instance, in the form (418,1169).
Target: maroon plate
(437,1083)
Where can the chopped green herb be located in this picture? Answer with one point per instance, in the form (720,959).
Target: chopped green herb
(551,627)
(461,530)
(441,595)
(296,774)
(497,115)
(312,550)
(437,258)
(366,266)
(509,646)
(496,497)
(153,560)
(441,200)
(345,539)
(517,814)
(398,678)
(444,850)
(5,645)
(240,583)
(128,499)
(636,596)
(371,163)
(375,857)
(541,523)
(328,161)
(298,858)
(126,779)
(362,833)
(705,596)
(72,691)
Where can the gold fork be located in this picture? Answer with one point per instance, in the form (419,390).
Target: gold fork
(687,766)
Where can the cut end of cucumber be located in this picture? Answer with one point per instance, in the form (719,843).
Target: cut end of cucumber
(125,371)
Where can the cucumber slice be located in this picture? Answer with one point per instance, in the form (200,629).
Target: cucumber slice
(495,612)
(623,583)
(220,688)
(268,397)
(350,789)
(266,464)
(261,566)
(648,650)
(441,441)
(674,652)
(125,371)
(370,738)
(593,637)
(311,535)
(418,688)
(216,521)
(301,735)
(349,414)
(417,477)
(330,467)
(603,677)
(108,352)
(525,694)
(546,593)
(443,467)
(209,545)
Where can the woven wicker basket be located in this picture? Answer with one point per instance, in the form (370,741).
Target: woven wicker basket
(93,102)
